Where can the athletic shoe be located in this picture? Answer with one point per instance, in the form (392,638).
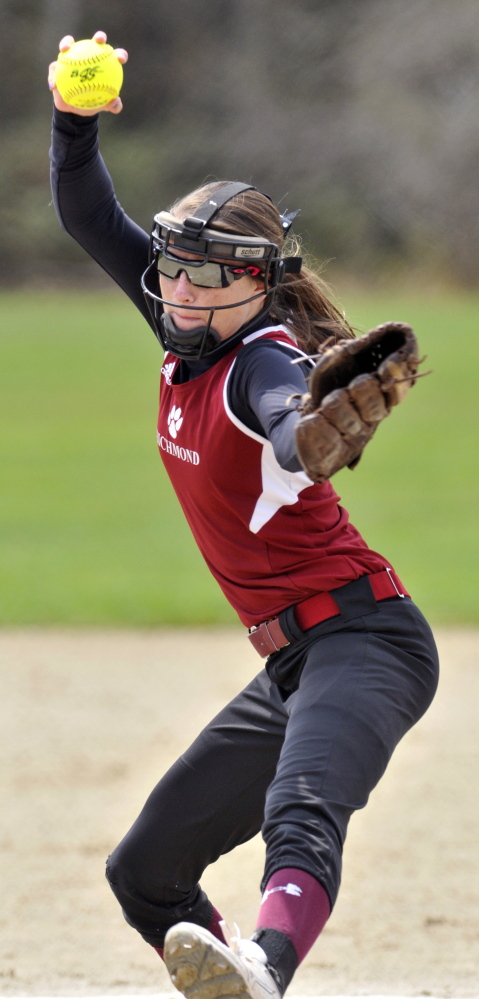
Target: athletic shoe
(201,967)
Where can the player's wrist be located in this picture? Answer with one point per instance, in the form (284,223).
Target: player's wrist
(85,121)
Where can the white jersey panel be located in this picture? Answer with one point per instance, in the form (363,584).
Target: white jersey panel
(280,487)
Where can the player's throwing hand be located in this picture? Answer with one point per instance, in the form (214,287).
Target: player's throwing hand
(114,106)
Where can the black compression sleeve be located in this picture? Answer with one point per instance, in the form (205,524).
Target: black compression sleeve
(262,381)
(87,207)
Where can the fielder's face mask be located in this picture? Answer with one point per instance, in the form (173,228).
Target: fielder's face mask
(215,260)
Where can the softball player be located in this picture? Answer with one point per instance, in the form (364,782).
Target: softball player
(350,662)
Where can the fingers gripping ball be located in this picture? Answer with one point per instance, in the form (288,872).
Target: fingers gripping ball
(89,74)
(353,386)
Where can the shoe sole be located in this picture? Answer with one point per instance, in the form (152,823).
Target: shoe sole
(198,971)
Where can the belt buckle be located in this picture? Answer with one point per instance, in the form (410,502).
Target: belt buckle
(265,637)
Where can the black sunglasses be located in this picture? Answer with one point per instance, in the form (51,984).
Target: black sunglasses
(206,275)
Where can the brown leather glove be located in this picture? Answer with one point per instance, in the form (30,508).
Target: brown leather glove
(352,388)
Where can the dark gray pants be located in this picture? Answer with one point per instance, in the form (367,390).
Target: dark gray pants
(293,761)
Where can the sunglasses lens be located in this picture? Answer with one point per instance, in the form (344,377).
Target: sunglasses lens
(208,275)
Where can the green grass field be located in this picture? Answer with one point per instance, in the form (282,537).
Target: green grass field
(91,532)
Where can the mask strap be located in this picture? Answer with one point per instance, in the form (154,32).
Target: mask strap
(193,225)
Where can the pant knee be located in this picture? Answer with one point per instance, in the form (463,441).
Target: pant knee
(152,903)
(131,880)
(116,873)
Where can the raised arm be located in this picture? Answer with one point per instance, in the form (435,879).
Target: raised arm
(84,196)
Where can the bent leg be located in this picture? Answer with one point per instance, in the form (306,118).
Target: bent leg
(211,800)
(363,686)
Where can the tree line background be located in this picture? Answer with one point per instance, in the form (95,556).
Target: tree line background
(364,113)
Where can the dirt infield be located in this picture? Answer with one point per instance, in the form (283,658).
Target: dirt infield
(89,722)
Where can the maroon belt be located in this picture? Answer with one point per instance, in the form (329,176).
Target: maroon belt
(269,636)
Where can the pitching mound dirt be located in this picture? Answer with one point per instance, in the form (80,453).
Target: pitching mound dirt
(90,720)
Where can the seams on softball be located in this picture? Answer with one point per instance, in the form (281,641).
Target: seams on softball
(89,74)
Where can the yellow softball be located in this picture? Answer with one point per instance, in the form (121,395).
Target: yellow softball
(89,74)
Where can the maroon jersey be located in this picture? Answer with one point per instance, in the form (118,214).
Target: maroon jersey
(270,537)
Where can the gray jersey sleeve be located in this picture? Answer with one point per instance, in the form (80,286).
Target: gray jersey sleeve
(262,381)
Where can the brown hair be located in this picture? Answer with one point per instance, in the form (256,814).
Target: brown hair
(303,301)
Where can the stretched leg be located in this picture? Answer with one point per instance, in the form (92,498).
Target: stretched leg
(210,800)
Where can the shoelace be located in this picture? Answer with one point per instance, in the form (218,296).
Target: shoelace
(232,939)
(242,947)
(256,952)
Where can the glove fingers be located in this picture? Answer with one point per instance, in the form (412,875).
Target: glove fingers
(392,369)
(366,394)
(351,389)
(339,364)
(321,449)
(339,411)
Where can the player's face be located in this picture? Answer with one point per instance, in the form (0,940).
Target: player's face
(182,292)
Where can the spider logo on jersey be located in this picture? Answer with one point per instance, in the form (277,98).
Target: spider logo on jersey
(175,420)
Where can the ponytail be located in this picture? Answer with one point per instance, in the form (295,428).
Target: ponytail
(304,303)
